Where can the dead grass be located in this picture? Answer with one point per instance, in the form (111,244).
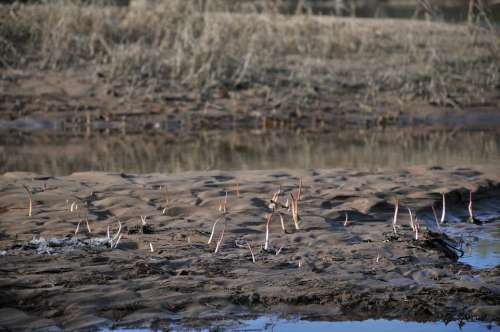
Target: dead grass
(179,44)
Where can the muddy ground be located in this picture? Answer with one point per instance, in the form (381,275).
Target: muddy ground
(324,270)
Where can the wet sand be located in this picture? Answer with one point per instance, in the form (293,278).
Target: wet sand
(324,270)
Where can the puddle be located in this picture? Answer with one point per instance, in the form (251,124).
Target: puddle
(480,243)
(58,153)
(271,323)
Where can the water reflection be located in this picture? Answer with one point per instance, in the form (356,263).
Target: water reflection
(55,153)
(272,323)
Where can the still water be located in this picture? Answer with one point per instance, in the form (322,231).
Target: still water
(57,153)
(272,323)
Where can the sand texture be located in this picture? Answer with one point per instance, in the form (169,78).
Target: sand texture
(164,270)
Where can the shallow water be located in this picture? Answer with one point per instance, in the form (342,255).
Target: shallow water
(271,323)
(56,153)
(480,243)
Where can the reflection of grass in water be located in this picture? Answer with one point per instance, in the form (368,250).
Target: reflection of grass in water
(244,150)
(485,248)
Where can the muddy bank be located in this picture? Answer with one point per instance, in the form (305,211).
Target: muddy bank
(163,270)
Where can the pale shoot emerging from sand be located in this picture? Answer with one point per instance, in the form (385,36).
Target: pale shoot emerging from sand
(295,210)
(266,243)
(346,221)
(412,224)
(251,252)
(223,211)
(88,225)
(417,227)
(471,214)
(395,219)
(221,237)
(151,247)
(118,241)
(73,207)
(282,222)
(213,230)
(443,211)
(117,236)
(30,200)
(77,228)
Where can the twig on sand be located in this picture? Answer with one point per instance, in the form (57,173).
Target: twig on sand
(395,220)
(30,199)
(237,190)
(443,212)
(251,251)
(143,220)
(279,250)
(266,243)
(151,247)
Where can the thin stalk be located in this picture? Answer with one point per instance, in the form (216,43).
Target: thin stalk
(251,252)
(30,199)
(443,212)
(395,220)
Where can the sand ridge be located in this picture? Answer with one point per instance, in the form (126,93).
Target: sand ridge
(325,269)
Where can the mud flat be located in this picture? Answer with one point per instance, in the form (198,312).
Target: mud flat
(162,269)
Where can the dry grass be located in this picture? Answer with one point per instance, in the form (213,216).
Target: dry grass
(178,44)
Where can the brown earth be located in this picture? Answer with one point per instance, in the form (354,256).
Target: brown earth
(325,270)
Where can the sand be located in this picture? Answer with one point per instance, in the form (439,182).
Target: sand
(324,270)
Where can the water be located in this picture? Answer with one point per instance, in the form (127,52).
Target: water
(480,243)
(272,323)
(56,153)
